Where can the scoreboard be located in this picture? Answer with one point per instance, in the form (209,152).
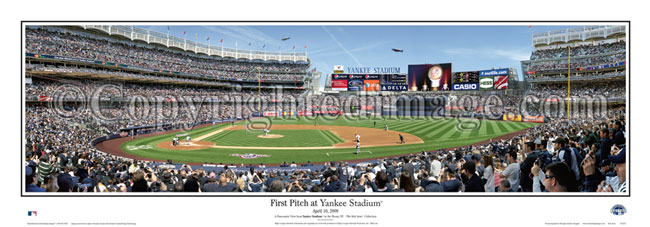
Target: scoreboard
(394,82)
(369,82)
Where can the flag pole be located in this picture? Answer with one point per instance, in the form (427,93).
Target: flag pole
(569,87)
(259,89)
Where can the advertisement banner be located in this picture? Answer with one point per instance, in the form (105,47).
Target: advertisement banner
(355,85)
(339,85)
(494,72)
(393,82)
(538,119)
(44,98)
(486,83)
(338,69)
(371,77)
(464,87)
(510,117)
(371,85)
(501,82)
(465,81)
(429,77)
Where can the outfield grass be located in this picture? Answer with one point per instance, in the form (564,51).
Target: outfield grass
(436,133)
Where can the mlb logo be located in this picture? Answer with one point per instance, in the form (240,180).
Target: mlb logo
(351,76)
(30,213)
(336,76)
(367,76)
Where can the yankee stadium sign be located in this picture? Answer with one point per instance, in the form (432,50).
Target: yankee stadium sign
(375,70)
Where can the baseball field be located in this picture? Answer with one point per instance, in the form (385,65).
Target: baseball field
(300,139)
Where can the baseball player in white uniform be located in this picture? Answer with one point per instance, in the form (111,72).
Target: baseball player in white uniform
(358,147)
(358,137)
(266,132)
(187,139)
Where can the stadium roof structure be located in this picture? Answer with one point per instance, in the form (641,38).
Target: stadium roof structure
(152,37)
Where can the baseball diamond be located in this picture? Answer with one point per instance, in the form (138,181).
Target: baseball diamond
(302,142)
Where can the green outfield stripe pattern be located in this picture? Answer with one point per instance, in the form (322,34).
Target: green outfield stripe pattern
(436,132)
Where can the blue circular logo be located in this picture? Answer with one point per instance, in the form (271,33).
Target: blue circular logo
(618,210)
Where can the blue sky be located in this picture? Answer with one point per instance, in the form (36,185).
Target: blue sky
(466,47)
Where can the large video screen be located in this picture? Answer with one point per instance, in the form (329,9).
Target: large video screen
(429,77)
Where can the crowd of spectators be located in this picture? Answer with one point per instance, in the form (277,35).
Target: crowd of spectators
(589,75)
(576,63)
(610,90)
(548,157)
(583,50)
(50,86)
(58,42)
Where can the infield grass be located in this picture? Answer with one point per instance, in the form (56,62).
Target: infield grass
(436,133)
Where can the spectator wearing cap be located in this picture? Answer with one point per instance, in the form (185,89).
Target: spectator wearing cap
(451,183)
(30,181)
(605,144)
(526,179)
(65,183)
(473,182)
(619,160)
(567,155)
(511,173)
(619,136)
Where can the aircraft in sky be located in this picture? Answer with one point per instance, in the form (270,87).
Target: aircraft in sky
(396,50)
(286,38)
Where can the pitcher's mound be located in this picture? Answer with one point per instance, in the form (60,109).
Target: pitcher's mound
(270,136)
(192,145)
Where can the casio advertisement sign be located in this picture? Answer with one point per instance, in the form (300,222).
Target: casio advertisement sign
(463,87)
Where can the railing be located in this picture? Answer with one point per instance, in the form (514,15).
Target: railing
(581,34)
(148,36)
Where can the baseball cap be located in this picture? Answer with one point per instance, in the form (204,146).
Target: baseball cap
(65,182)
(28,171)
(619,158)
(605,163)
(476,157)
